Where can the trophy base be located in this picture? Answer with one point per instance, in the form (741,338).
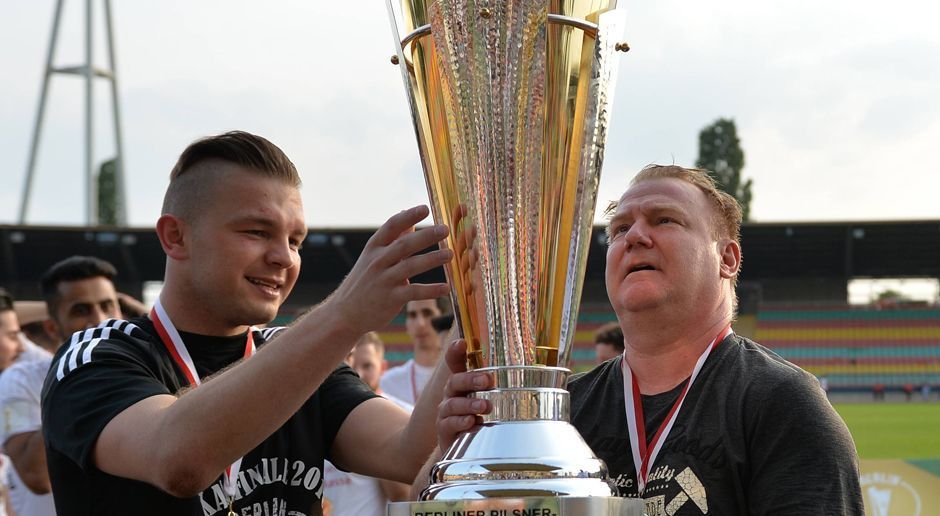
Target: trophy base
(516,459)
(530,506)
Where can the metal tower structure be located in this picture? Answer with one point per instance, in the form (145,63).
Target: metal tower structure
(90,73)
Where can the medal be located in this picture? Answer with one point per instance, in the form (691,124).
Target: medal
(177,349)
(645,456)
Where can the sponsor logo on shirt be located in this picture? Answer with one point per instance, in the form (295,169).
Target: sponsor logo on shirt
(268,471)
(691,492)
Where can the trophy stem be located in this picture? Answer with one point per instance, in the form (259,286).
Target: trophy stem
(526,393)
(525,447)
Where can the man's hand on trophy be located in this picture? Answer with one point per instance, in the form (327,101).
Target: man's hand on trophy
(459,413)
(377,286)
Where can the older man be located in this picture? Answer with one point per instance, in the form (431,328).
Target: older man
(694,419)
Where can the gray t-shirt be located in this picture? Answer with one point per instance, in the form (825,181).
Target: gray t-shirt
(755,435)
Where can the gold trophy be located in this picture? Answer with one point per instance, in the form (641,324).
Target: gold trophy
(510,101)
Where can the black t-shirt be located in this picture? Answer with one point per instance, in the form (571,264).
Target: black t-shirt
(755,435)
(103,371)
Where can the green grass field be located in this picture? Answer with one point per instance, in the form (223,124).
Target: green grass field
(893,430)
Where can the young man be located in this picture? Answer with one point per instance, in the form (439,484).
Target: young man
(698,420)
(79,294)
(189,412)
(350,494)
(407,381)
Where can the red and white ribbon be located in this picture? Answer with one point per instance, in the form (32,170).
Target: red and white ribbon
(644,456)
(174,344)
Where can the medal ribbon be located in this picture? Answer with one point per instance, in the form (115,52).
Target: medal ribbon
(645,456)
(174,344)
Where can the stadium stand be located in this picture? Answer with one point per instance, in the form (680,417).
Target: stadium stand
(785,264)
(857,348)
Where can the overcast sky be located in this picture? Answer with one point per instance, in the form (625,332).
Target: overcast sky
(837,103)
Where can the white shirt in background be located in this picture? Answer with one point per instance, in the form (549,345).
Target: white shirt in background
(20,389)
(406,382)
(350,494)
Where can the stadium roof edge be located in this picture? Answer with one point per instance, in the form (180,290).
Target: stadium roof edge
(356,229)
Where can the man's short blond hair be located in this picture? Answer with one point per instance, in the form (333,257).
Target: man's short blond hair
(727,212)
(372,338)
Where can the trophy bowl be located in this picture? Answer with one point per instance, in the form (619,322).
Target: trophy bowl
(510,102)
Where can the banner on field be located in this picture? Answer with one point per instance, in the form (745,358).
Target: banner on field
(899,488)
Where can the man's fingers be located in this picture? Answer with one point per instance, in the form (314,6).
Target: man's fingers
(416,291)
(398,224)
(461,384)
(459,407)
(419,263)
(456,356)
(410,243)
(448,429)
(458,413)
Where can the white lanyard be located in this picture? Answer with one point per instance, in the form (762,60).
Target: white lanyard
(174,344)
(645,456)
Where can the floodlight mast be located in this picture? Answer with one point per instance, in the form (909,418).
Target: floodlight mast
(89,72)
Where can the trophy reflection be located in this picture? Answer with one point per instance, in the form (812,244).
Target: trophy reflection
(510,102)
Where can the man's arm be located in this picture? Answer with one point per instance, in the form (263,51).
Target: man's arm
(802,457)
(28,455)
(181,444)
(398,447)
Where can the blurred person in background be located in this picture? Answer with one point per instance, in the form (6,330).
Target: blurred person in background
(79,294)
(11,346)
(407,381)
(444,326)
(350,494)
(32,316)
(608,342)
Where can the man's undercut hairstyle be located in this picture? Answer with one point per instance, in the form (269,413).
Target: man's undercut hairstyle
(193,178)
(6,300)
(73,268)
(611,334)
